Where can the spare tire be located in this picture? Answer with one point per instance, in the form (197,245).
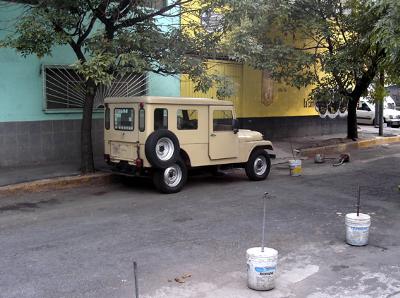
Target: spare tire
(162,148)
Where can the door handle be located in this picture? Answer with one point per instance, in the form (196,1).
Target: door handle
(213,135)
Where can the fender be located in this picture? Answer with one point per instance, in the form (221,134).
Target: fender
(266,145)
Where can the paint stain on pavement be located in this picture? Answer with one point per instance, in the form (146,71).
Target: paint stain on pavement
(28,206)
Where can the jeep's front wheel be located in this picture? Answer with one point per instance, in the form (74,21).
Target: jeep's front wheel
(171,179)
(258,166)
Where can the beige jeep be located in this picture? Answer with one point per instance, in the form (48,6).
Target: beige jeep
(163,137)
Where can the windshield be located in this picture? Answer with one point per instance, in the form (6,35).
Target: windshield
(391,106)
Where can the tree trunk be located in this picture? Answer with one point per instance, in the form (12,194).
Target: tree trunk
(87,162)
(352,132)
(381,102)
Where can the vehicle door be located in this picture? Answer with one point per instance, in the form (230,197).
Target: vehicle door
(123,133)
(364,113)
(223,141)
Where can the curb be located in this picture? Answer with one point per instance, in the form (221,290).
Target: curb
(56,183)
(340,148)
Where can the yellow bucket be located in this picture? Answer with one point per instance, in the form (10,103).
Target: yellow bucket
(295,167)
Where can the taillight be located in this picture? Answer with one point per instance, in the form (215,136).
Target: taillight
(139,163)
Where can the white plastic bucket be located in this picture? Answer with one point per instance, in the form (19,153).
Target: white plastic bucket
(357,229)
(261,268)
(295,167)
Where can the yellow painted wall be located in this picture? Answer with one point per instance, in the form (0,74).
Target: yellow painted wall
(249,100)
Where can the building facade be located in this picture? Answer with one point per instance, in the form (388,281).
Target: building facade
(40,100)
(277,110)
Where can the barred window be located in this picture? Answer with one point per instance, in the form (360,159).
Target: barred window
(154,4)
(64,88)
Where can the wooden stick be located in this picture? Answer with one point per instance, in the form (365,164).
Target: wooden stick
(263,226)
(358,201)
(136,281)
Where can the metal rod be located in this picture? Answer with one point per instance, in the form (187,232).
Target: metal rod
(291,146)
(263,226)
(358,200)
(136,281)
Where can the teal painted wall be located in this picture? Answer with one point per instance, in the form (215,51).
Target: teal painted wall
(21,81)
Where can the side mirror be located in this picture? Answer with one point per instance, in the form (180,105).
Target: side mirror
(235,126)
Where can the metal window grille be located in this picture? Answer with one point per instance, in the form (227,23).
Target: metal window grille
(64,88)
(154,4)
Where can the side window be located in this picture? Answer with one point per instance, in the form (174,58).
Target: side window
(124,119)
(222,120)
(160,119)
(187,120)
(107,118)
(142,120)
(365,107)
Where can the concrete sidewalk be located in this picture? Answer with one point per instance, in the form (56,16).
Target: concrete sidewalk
(283,150)
(14,175)
(18,175)
(285,147)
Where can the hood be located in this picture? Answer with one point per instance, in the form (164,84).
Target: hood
(246,135)
(391,112)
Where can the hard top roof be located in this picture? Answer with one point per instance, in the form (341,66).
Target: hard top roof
(168,100)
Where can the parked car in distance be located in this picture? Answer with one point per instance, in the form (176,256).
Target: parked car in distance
(366,112)
(163,137)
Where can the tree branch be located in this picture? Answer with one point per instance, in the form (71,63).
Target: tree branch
(76,48)
(89,29)
(131,22)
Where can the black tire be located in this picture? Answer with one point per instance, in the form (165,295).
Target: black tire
(159,139)
(160,182)
(255,171)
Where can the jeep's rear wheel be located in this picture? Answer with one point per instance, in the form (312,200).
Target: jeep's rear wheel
(171,179)
(258,166)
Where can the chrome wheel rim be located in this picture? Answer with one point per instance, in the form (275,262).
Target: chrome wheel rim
(260,165)
(165,149)
(173,175)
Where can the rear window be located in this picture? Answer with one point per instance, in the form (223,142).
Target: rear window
(107,118)
(124,119)
(142,120)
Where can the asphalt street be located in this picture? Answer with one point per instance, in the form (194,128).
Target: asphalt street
(82,242)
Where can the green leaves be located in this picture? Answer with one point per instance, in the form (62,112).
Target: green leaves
(115,37)
(336,46)
(386,33)
(96,68)
(33,37)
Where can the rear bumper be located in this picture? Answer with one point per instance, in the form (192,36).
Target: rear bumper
(126,169)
